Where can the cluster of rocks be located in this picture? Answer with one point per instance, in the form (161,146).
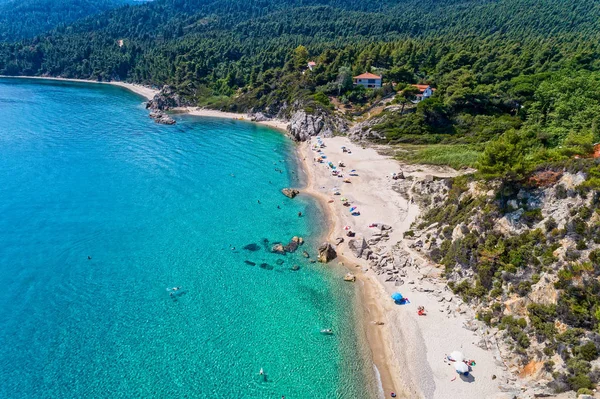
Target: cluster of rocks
(167,98)
(161,118)
(290,247)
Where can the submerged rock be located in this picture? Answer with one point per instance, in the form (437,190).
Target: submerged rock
(266,266)
(249,263)
(305,254)
(290,192)
(326,253)
(252,247)
(279,262)
(295,268)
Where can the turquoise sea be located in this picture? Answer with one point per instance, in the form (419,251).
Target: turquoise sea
(85,173)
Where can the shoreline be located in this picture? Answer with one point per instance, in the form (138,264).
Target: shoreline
(148,93)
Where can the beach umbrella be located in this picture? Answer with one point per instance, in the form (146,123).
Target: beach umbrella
(396,296)
(461,368)
(457,356)
(347,228)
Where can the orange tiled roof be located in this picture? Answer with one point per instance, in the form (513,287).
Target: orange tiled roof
(422,88)
(367,75)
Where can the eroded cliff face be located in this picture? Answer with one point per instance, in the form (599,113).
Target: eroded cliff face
(526,258)
(303,125)
(166,99)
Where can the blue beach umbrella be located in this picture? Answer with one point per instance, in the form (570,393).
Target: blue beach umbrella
(397,297)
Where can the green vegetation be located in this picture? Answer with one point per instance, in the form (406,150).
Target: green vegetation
(454,155)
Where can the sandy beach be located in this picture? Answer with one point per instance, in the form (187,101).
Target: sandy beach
(408,349)
(274,123)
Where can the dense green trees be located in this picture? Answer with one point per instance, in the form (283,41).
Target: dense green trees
(27,18)
(523,74)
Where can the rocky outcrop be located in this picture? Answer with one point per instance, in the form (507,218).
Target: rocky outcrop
(166,99)
(304,125)
(326,253)
(365,131)
(290,192)
(357,246)
(161,118)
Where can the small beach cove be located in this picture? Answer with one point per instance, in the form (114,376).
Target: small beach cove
(407,350)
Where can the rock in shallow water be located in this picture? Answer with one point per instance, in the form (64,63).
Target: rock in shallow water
(290,192)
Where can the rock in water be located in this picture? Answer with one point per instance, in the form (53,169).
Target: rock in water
(162,118)
(294,244)
(249,263)
(290,192)
(305,254)
(295,267)
(266,266)
(252,247)
(279,262)
(278,248)
(326,253)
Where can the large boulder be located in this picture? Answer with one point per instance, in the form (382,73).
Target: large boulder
(290,192)
(357,246)
(326,253)
(166,99)
(305,125)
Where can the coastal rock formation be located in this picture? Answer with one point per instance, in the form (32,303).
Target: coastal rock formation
(166,99)
(357,246)
(304,125)
(290,192)
(364,130)
(326,253)
(162,118)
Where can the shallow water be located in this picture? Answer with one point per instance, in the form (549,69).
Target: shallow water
(85,172)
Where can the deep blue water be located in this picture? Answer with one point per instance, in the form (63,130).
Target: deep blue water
(85,172)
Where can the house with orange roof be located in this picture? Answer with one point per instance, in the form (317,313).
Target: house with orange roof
(311,65)
(426,91)
(368,80)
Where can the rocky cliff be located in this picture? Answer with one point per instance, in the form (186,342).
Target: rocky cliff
(166,99)
(526,257)
(304,125)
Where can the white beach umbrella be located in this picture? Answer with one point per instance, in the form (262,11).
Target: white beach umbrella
(461,367)
(457,356)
